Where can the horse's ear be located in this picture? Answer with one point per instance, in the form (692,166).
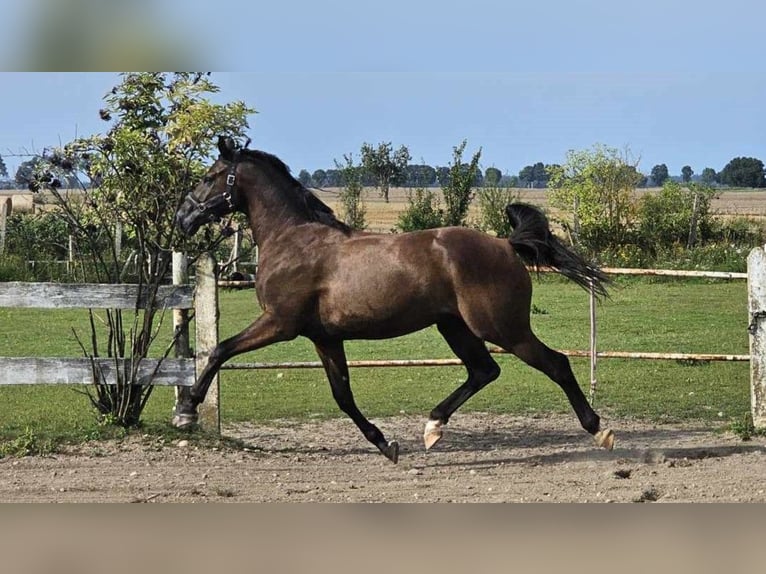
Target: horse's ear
(226,146)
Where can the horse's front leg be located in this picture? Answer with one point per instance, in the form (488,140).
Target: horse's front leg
(266,330)
(333,358)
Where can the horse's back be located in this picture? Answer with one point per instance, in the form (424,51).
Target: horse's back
(385,285)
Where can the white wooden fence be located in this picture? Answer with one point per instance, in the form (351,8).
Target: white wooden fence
(174,371)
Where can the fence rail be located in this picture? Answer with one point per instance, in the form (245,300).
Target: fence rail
(82,371)
(674,273)
(91,296)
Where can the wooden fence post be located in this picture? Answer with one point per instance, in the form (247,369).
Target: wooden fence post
(756,290)
(5,211)
(181,316)
(236,250)
(206,321)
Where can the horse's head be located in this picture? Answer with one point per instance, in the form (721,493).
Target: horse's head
(216,195)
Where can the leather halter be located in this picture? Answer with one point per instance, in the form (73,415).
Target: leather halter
(211,209)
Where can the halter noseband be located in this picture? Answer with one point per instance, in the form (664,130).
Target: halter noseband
(211,209)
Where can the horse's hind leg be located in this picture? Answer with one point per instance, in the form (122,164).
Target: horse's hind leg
(333,358)
(556,366)
(482,370)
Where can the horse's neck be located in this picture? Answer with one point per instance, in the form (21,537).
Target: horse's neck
(270,222)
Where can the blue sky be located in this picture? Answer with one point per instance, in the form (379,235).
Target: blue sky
(677,82)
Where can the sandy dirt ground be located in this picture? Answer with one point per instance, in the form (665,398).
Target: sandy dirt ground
(482,458)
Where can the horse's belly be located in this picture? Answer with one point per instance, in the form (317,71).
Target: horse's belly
(373,318)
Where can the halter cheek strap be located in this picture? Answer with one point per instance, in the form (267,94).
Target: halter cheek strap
(227,199)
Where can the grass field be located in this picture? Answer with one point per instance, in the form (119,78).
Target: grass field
(642,315)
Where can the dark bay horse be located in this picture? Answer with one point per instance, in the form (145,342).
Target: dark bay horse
(319,279)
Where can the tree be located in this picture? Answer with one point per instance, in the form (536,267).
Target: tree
(385,164)
(318,178)
(509,181)
(304,177)
(333,178)
(686,173)
(351,195)
(743,172)
(492,176)
(708,176)
(442,175)
(420,175)
(596,187)
(3,167)
(536,175)
(25,173)
(161,136)
(659,174)
(458,190)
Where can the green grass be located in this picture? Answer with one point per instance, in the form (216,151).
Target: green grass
(642,315)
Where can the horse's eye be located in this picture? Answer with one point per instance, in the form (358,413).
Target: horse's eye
(207,180)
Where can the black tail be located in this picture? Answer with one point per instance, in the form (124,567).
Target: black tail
(536,245)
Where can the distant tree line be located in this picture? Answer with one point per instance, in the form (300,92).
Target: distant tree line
(383,167)
(381,162)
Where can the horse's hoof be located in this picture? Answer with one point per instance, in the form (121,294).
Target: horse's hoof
(184,421)
(604,439)
(433,433)
(391,451)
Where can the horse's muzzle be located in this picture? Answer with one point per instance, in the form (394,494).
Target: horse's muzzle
(187,219)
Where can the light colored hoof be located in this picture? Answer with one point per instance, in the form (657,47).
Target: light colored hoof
(391,452)
(604,439)
(433,433)
(184,421)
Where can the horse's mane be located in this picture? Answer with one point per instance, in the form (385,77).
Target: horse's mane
(313,207)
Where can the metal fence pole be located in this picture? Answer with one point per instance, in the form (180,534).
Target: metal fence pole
(593,353)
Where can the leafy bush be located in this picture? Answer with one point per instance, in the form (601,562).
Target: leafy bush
(422,212)
(492,203)
(458,187)
(594,189)
(14,268)
(351,195)
(39,236)
(668,218)
(738,231)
